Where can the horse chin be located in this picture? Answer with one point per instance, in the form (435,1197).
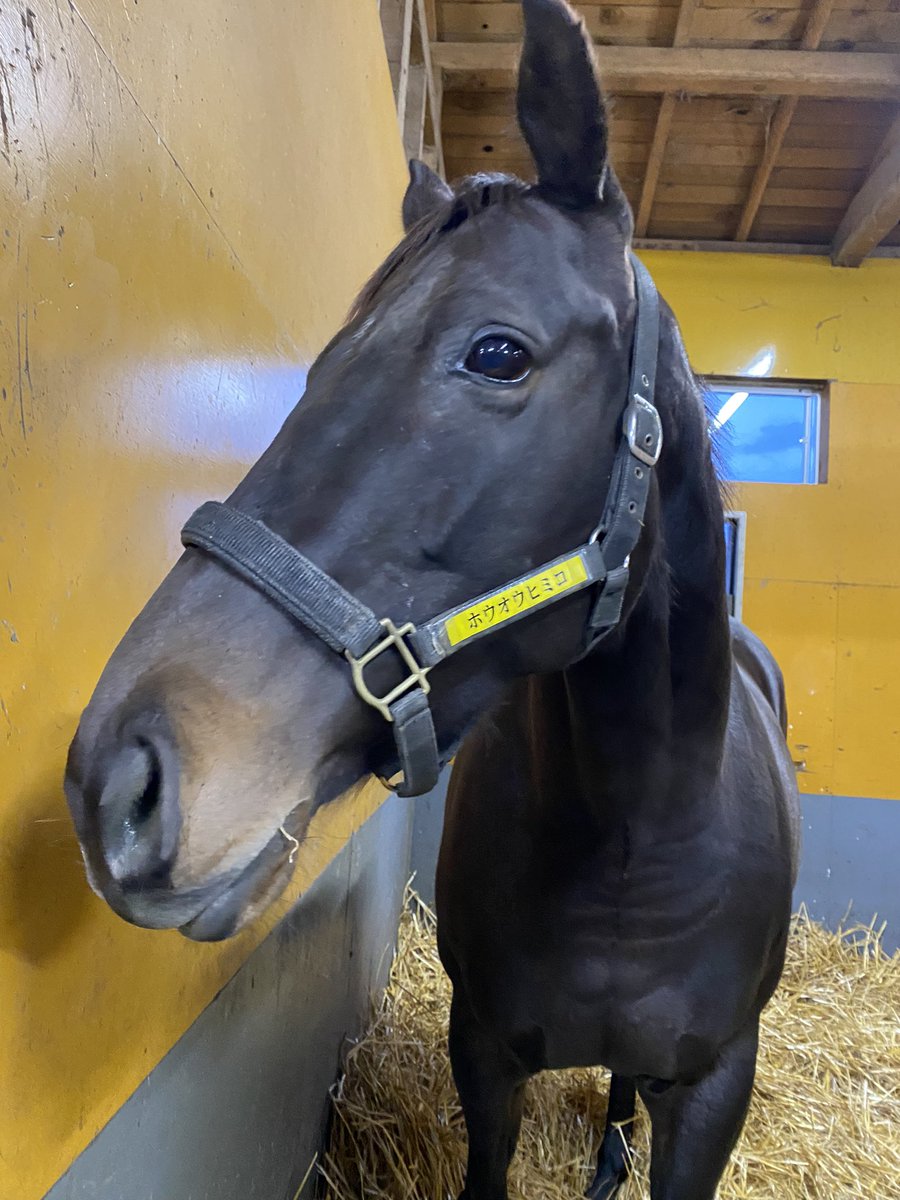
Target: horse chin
(243,899)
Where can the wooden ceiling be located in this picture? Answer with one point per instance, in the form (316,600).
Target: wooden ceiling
(733,122)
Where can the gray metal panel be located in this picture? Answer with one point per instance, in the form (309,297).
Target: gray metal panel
(849,862)
(428,821)
(237,1109)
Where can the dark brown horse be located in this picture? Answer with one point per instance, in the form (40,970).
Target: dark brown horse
(620,843)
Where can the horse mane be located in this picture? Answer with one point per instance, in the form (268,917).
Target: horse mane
(719,441)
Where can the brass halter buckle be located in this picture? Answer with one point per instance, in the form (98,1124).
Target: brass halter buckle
(417,673)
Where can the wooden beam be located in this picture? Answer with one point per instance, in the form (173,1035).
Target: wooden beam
(812,36)
(663,125)
(653,69)
(405,49)
(711,246)
(815,27)
(890,139)
(683,24)
(414,117)
(408,27)
(433,82)
(392,27)
(431,19)
(784,114)
(874,210)
(654,163)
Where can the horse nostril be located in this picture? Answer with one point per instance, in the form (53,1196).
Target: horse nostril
(149,798)
(138,814)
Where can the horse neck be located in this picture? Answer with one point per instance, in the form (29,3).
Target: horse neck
(639,724)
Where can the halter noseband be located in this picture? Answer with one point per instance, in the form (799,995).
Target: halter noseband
(299,588)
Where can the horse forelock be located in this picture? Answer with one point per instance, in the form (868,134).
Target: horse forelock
(471,196)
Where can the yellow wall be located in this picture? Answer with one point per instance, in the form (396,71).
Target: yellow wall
(823,562)
(190,195)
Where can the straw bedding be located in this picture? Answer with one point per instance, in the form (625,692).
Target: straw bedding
(824,1123)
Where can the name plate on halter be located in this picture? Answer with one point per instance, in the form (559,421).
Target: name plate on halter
(515,600)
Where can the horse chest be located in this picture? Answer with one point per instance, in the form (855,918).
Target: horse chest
(572,992)
(644,954)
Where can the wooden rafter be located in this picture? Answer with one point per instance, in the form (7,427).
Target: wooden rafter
(654,163)
(888,142)
(784,114)
(875,209)
(711,244)
(431,19)
(661,130)
(405,58)
(714,72)
(427,28)
(408,39)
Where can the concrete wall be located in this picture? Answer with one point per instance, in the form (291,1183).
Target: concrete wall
(190,196)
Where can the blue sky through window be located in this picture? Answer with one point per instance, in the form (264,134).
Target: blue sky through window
(768,435)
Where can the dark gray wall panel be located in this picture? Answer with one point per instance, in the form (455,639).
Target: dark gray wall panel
(428,820)
(237,1108)
(851,846)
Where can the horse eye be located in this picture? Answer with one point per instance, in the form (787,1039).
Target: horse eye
(498,357)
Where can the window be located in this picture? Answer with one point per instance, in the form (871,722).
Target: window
(768,433)
(735,541)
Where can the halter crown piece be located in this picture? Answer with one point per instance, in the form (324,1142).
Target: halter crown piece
(250,550)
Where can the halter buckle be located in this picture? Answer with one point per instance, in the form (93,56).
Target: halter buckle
(643,430)
(417,673)
(390,782)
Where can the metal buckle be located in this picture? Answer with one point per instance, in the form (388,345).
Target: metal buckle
(417,673)
(392,782)
(644,446)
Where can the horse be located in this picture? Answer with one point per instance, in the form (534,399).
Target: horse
(506,433)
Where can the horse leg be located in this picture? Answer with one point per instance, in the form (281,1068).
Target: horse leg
(695,1127)
(491,1086)
(614,1154)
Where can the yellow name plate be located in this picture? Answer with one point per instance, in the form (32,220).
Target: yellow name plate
(515,600)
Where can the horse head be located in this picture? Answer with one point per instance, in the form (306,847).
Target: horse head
(459,431)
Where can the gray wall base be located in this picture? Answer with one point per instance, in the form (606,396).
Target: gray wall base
(849,866)
(851,848)
(428,821)
(237,1109)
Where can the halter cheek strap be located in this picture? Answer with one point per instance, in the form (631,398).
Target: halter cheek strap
(264,560)
(626,501)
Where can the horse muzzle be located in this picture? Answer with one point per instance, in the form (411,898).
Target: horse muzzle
(128,820)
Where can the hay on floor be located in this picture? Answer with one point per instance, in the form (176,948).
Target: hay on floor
(824,1124)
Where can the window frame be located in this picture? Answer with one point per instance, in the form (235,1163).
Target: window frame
(736,595)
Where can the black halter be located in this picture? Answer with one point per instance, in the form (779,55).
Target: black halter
(268,563)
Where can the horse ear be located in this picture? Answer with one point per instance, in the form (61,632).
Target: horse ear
(425,193)
(560,106)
